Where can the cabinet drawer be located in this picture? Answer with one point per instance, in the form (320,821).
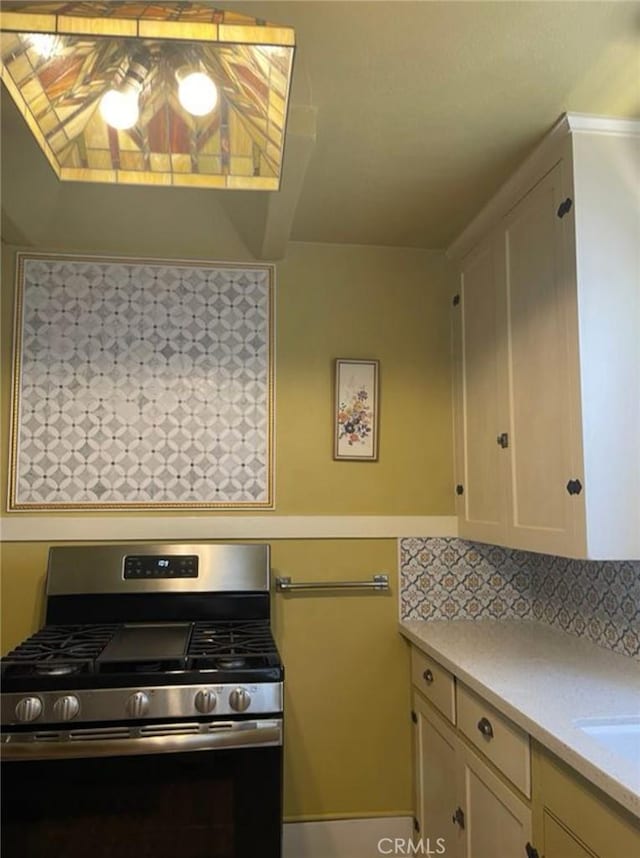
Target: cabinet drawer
(505,744)
(434,682)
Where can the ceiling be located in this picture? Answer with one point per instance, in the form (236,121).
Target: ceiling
(405,117)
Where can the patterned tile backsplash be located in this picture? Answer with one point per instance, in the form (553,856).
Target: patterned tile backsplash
(447,579)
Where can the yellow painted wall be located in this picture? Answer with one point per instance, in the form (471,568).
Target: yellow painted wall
(22,575)
(347,746)
(360,302)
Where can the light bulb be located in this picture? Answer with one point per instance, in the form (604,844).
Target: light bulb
(197,93)
(119,108)
(45,44)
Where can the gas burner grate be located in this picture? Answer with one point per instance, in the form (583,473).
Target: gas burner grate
(59,650)
(70,652)
(231,645)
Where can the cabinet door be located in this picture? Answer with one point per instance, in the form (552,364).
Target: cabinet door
(560,843)
(497,824)
(480,396)
(542,357)
(573,819)
(436,782)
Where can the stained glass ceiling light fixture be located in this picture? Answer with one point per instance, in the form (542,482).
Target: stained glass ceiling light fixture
(155,94)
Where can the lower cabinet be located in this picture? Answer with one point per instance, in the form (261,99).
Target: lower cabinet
(436,763)
(573,819)
(497,822)
(463,808)
(484,789)
(559,842)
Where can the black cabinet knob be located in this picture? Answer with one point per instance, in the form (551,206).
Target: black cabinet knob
(574,487)
(503,440)
(485,727)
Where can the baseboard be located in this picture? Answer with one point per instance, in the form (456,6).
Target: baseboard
(346,838)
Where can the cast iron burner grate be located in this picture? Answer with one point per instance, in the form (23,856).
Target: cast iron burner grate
(59,650)
(66,650)
(232,645)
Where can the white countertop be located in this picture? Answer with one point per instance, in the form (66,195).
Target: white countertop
(544,680)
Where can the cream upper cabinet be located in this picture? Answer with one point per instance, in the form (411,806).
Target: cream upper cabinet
(481,389)
(543,449)
(546,314)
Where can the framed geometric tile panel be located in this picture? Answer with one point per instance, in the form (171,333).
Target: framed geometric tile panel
(141,384)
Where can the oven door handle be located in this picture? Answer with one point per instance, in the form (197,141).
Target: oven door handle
(149,740)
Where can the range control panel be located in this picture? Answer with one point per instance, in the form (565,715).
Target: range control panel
(160,566)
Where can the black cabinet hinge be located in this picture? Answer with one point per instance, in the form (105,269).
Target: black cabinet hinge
(574,487)
(416,825)
(565,207)
(458,818)
(503,440)
(531,851)
(459,489)
(456,300)
(414,717)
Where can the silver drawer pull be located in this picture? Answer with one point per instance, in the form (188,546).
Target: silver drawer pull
(484,725)
(428,676)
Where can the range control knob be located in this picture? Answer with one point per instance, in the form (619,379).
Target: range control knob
(28,709)
(205,701)
(66,708)
(239,699)
(138,704)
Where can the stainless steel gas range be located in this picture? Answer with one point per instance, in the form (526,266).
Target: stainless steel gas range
(149,654)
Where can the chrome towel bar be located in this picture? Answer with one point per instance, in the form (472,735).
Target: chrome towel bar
(378,583)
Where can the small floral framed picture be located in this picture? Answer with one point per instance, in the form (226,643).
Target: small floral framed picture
(356,410)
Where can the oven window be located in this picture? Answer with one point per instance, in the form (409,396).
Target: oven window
(203,804)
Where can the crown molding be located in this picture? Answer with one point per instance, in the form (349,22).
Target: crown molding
(601,124)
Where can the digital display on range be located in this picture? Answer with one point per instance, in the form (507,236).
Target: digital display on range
(158,566)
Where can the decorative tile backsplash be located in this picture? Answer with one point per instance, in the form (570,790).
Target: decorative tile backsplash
(454,579)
